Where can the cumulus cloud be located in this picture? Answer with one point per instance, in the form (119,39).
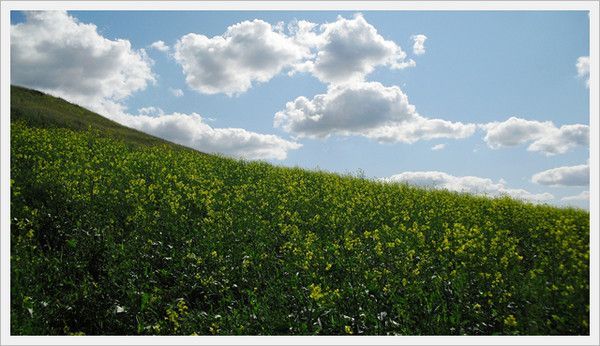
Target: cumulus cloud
(248,52)
(543,137)
(160,46)
(468,184)
(583,68)
(176,92)
(419,44)
(583,196)
(367,109)
(255,51)
(349,49)
(438,147)
(564,176)
(53,52)
(190,130)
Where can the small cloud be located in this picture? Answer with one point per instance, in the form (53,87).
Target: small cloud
(191,130)
(367,109)
(151,111)
(583,69)
(468,184)
(160,46)
(176,92)
(419,44)
(279,27)
(564,176)
(583,196)
(438,147)
(246,53)
(347,50)
(543,137)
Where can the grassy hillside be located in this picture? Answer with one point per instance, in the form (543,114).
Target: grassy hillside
(37,109)
(110,238)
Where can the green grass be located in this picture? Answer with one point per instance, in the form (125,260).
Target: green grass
(37,109)
(113,238)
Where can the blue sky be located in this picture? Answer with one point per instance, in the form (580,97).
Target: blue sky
(477,68)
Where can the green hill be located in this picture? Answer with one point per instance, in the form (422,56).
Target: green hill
(37,109)
(114,238)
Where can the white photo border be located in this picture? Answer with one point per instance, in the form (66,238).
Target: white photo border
(7,6)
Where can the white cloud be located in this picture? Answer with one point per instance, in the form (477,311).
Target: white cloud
(55,53)
(303,33)
(367,109)
(349,49)
(543,137)
(419,44)
(438,147)
(248,52)
(564,176)
(152,111)
(468,184)
(583,68)
(583,196)
(251,52)
(160,46)
(176,92)
(191,130)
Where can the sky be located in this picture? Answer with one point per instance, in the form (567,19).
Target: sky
(493,103)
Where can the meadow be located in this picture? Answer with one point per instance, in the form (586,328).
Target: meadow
(115,233)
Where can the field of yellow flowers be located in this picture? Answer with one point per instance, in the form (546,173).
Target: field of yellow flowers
(111,238)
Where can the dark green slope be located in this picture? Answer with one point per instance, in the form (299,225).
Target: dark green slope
(37,109)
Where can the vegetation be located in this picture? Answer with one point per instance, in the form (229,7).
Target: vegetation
(113,238)
(37,109)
